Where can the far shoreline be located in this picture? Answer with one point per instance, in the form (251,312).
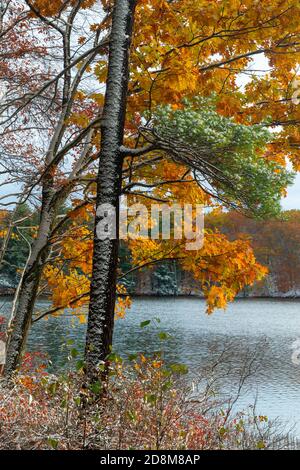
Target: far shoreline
(10,294)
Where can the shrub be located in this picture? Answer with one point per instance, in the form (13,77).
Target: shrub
(143,405)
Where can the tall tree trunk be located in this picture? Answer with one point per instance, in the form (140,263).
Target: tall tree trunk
(105,257)
(21,321)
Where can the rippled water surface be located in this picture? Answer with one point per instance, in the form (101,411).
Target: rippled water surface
(248,326)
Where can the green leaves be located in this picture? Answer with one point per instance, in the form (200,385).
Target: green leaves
(53,443)
(163,336)
(114,357)
(96,387)
(145,323)
(132,415)
(132,357)
(260,445)
(74,352)
(222,431)
(80,365)
(150,398)
(181,369)
(232,160)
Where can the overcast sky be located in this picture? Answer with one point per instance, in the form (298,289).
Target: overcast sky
(292,201)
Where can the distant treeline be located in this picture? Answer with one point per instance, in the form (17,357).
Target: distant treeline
(276,244)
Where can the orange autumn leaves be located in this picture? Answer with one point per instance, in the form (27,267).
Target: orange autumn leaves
(222,267)
(68,278)
(55,7)
(181,48)
(3,224)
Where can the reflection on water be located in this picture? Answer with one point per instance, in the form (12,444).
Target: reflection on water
(198,338)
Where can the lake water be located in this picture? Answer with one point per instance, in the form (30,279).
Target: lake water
(267,328)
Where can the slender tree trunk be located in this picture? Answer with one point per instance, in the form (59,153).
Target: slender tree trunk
(21,321)
(105,257)
(8,234)
(23,306)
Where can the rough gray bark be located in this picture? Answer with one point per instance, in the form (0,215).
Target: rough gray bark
(105,257)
